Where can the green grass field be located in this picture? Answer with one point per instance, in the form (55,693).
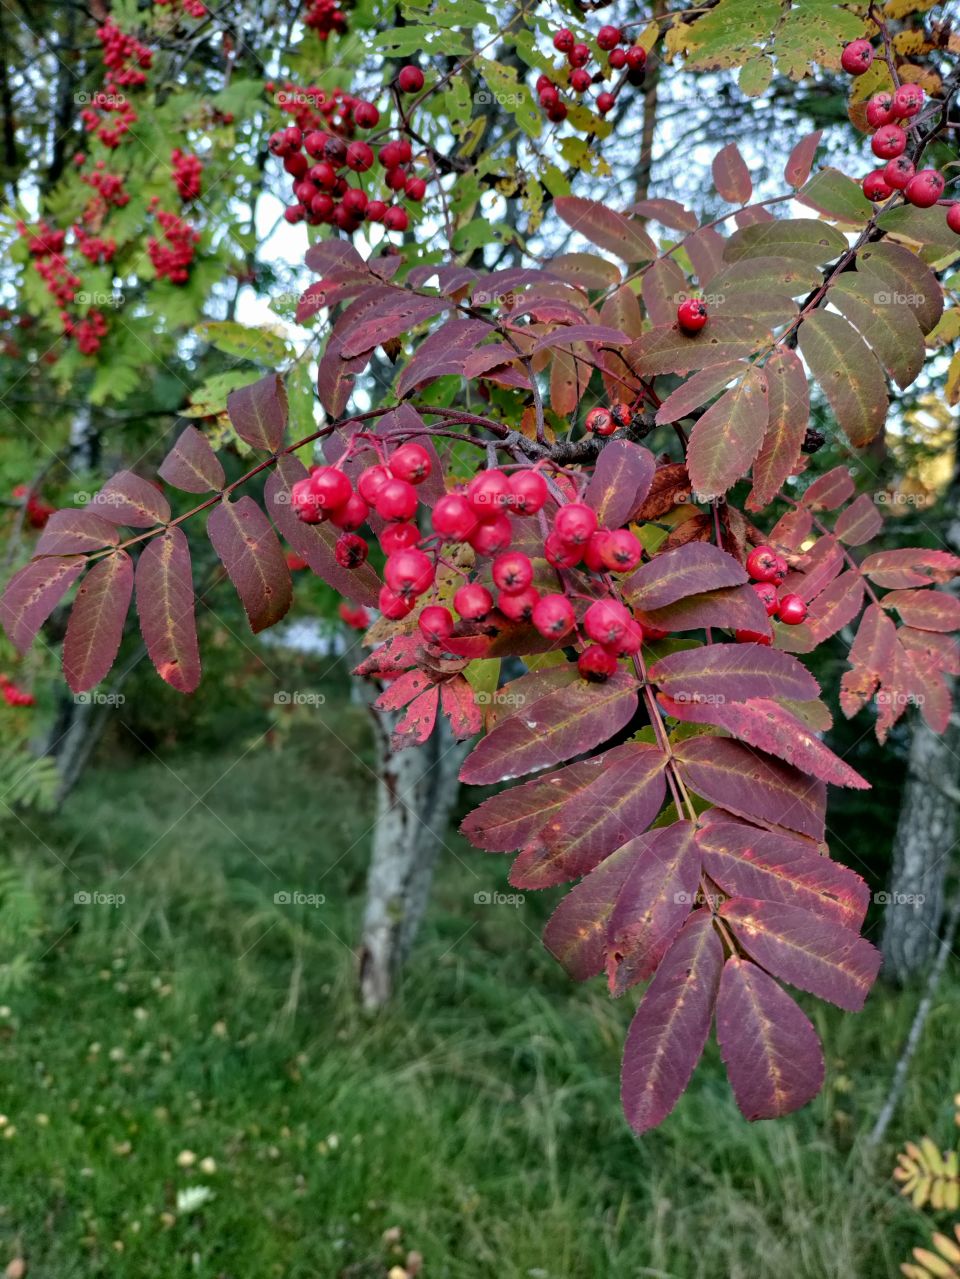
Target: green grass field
(189,1088)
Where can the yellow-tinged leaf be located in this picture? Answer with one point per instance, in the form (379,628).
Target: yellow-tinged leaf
(676,39)
(543,661)
(649,36)
(909,43)
(483,676)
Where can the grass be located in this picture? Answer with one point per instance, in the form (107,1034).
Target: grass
(479,1117)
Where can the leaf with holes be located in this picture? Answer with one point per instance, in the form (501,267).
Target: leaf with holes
(248,549)
(191,465)
(926,610)
(95,628)
(165,605)
(914,566)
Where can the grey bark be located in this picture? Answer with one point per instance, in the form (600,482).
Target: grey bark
(416,791)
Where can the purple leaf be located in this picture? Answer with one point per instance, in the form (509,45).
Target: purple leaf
(606,228)
(735,608)
(165,604)
(259,412)
(728,437)
(33,593)
(71,532)
(192,465)
(620,482)
(248,549)
(576,932)
(830,490)
(397,313)
(788,399)
(95,628)
(736,672)
(800,160)
(688,570)
(128,499)
(731,176)
(442,353)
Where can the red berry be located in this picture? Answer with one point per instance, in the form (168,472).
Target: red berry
(558,113)
(560,554)
(574,523)
(605,102)
(549,96)
(899,171)
(630,641)
(528,492)
(605,621)
(579,55)
(436,624)
(783,568)
(473,601)
(411,462)
(408,572)
(692,315)
(621,413)
(397,500)
(596,664)
(518,606)
(395,219)
(752,637)
(354,615)
(762,564)
(410,80)
(888,141)
(394,606)
(878,110)
(453,518)
(371,481)
(600,422)
(375,210)
(390,155)
(792,610)
(415,189)
(907,101)
(563,40)
(512,572)
(366,115)
(399,537)
(609,37)
(330,488)
(396,178)
(489,492)
(636,57)
(350,550)
(953,218)
(593,551)
(491,535)
(857,57)
(876,187)
(622,551)
(553,616)
(352,514)
(313,143)
(355,201)
(359,157)
(767,595)
(925,188)
(617,58)
(303,502)
(580,80)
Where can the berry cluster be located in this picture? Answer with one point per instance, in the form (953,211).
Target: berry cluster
(193,8)
(186,173)
(768,570)
(324,17)
(45,246)
(320,151)
(14,696)
(603,422)
(110,114)
(575,76)
(37,511)
(891,116)
(96,250)
(87,332)
(108,186)
(172,256)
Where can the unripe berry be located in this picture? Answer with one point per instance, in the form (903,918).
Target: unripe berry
(596,664)
(580,80)
(857,57)
(579,55)
(366,115)
(371,481)
(605,102)
(600,421)
(518,606)
(692,315)
(352,514)
(636,57)
(752,637)
(762,564)
(605,621)
(399,537)
(488,492)
(878,110)
(899,171)
(512,572)
(560,554)
(410,80)
(925,188)
(436,624)
(359,157)
(473,601)
(395,219)
(350,550)
(953,218)
(767,595)
(563,40)
(397,500)
(792,610)
(907,101)
(453,518)
(491,535)
(876,187)
(622,551)
(303,502)
(574,523)
(528,491)
(617,59)
(408,572)
(394,606)
(411,462)
(330,488)
(553,616)
(608,37)
(888,141)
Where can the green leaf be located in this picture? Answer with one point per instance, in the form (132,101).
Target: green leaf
(210,398)
(806,239)
(848,372)
(247,343)
(510,94)
(833,193)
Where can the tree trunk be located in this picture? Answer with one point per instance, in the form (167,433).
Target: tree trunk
(416,792)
